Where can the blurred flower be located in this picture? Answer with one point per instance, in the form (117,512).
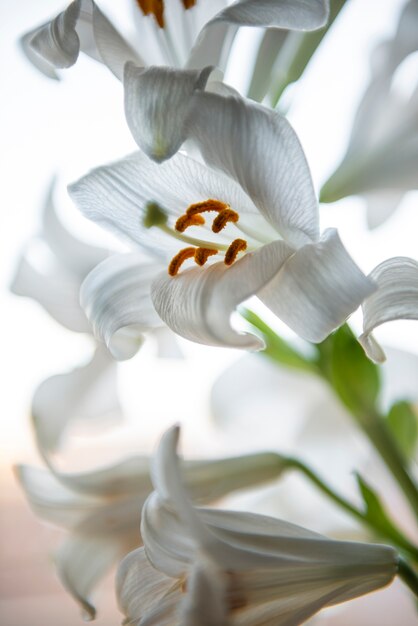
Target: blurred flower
(216,567)
(167,34)
(396,298)
(51,271)
(381,162)
(257,183)
(101,509)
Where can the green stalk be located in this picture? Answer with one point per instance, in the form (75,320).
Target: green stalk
(408,575)
(392,534)
(308,44)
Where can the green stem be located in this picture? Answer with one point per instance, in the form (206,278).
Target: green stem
(304,52)
(408,575)
(391,534)
(376,430)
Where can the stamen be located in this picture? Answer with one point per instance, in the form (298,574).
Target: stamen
(201,255)
(205,206)
(188,4)
(153,7)
(238,245)
(178,260)
(185,221)
(221,220)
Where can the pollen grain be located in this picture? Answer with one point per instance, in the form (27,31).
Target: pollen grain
(178,260)
(184,221)
(153,7)
(202,254)
(222,219)
(238,245)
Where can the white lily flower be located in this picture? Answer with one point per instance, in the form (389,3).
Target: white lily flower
(190,36)
(381,162)
(219,568)
(395,299)
(257,183)
(101,509)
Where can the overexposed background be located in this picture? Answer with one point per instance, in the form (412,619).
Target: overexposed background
(66,127)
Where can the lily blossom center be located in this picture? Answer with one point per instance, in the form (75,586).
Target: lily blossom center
(200,250)
(156,8)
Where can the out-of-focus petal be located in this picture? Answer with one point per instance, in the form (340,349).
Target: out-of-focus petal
(259,149)
(285,14)
(144,592)
(116,298)
(87,393)
(318,288)
(381,205)
(212,46)
(56,291)
(198,303)
(149,94)
(396,298)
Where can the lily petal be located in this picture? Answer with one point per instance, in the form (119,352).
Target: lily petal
(116,298)
(145,593)
(148,93)
(285,14)
(212,46)
(81,27)
(260,151)
(197,304)
(56,291)
(396,298)
(318,288)
(86,393)
(57,41)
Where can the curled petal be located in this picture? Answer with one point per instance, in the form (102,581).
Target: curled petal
(198,303)
(259,149)
(117,301)
(149,94)
(318,288)
(285,14)
(86,393)
(396,298)
(57,41)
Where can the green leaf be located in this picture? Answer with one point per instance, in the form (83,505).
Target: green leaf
(353,376)
(376,514)
(277,348)
(402,421)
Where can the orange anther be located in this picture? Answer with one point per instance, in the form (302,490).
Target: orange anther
(221,220)
(202,254)
(206,205)
(184,221)
(153,7)
(188,4)
(238,245)
(178,260)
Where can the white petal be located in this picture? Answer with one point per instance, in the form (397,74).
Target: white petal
(396,298)
(57,41)
(116,296)
(259,149)
(86,393)
(198,303)
(212,46)
(286,14)
(116,195)
(318,288)
(143,592)
(51,500)
(37,61)
(205,601)
(56,291)
(83,560)
(381,205)
(157,105)
(71,253)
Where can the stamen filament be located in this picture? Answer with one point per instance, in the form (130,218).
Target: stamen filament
(199,243)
